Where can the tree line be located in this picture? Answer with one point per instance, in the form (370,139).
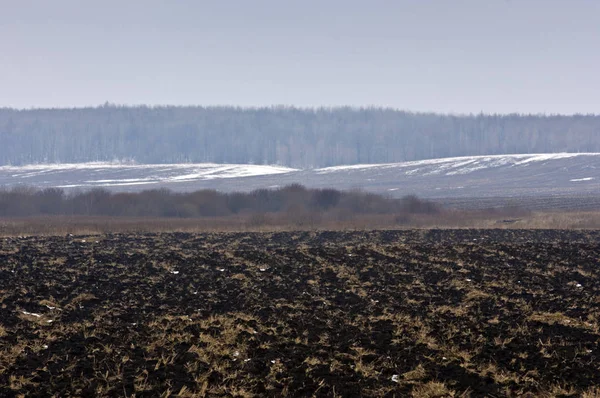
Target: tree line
(302,138)
(295,200)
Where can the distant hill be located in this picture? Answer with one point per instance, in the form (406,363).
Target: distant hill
(535,181)
(292,137)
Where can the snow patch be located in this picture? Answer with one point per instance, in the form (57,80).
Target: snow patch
(582,179)
(149,173)
(458,165)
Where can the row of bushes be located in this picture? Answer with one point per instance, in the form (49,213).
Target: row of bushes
(26,201)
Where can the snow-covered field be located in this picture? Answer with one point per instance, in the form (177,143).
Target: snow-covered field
(82,175)
(508,176)
(460,165)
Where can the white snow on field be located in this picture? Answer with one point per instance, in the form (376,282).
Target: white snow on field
(111,184)
(232,171)
(457,165)
(148,173)
(582,179)
(50,167)
(99,174)
(45,168)
(124,180)
(553,156)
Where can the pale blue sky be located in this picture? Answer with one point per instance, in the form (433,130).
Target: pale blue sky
(460,56)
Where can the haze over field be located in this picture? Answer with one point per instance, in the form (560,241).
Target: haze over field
(245,95)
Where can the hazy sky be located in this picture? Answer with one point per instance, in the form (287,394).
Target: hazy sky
(462,56)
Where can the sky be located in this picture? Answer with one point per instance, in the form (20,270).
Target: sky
(449,56)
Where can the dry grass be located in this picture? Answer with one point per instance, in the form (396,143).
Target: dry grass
(84,225)
(432,389)
(593,392)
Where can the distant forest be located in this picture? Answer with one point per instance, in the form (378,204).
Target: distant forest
(301,138)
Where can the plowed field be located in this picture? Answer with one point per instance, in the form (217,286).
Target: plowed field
(421,313)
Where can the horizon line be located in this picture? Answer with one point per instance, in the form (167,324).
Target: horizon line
(290,107)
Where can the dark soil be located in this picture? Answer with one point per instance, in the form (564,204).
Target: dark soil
(390,313)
